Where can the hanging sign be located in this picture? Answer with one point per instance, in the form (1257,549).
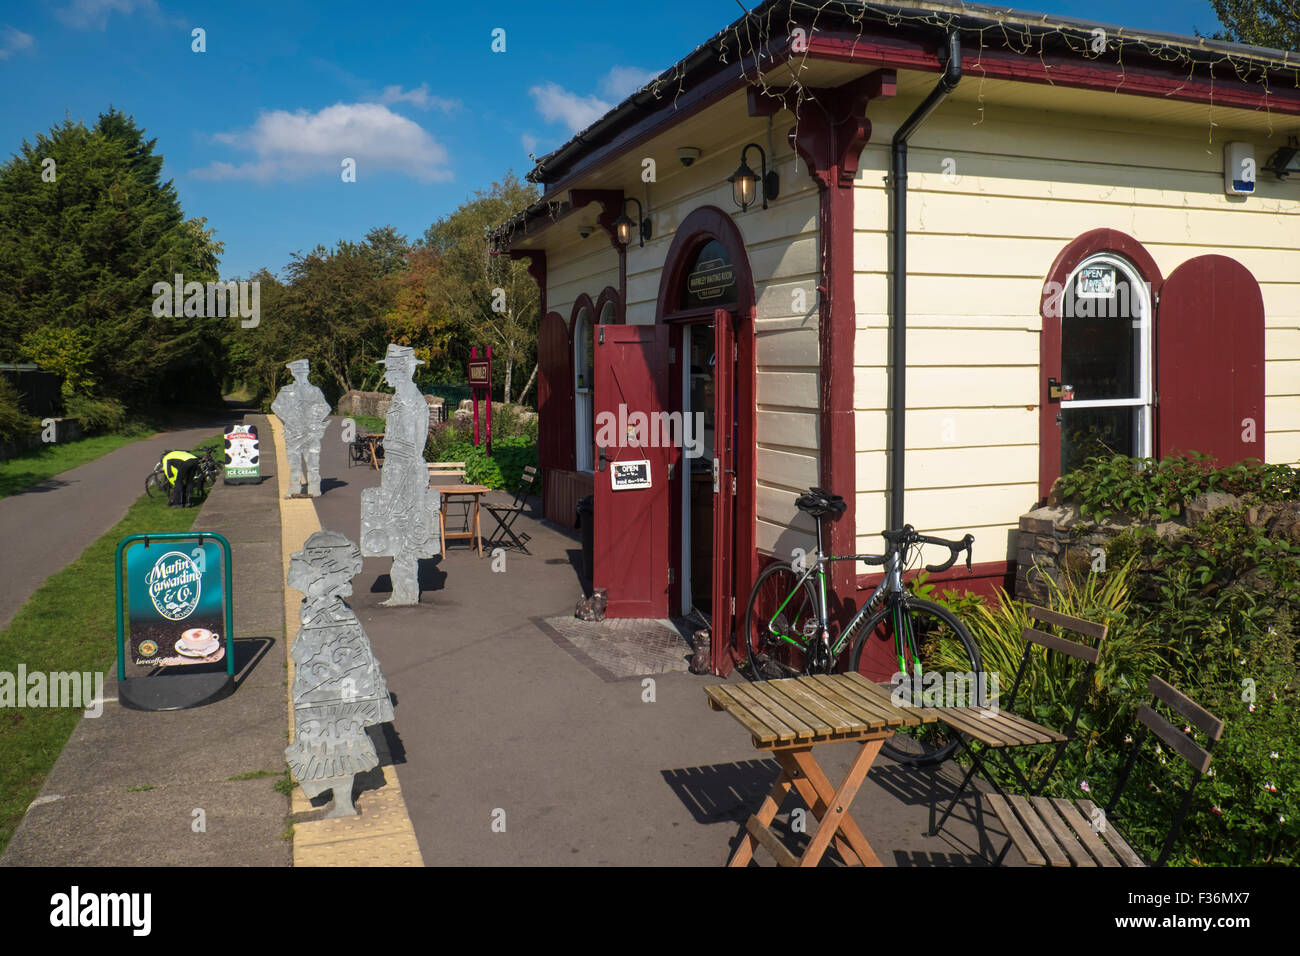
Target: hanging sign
(1095,282)
(624,475)
(174,610)
(480,380)
(242,456)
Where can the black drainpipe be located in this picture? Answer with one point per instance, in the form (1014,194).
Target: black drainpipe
(898,239)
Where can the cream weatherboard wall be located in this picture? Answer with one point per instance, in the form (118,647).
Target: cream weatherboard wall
(782,245)
(993,198)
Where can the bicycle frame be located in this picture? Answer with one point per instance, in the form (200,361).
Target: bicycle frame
(892,583)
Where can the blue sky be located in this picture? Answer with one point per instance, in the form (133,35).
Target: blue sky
(252,129)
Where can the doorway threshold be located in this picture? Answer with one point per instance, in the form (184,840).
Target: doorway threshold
(617,649)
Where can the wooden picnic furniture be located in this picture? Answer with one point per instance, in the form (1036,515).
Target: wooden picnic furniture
(986,731)
(790,717)
(1059,832)
(375,444)
(473,530)
(505,515)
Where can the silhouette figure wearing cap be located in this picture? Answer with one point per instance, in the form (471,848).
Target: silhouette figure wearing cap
(304,413)
(399,518)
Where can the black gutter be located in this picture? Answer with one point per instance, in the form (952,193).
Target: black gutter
(898,306)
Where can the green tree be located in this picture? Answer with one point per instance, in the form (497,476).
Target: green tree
(86,228)
(467,278)
(1270,23)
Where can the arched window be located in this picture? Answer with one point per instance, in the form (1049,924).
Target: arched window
(1106,340)
(583,409)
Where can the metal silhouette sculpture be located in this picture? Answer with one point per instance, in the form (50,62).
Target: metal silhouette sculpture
(338,690)
(304,413)
(399,519)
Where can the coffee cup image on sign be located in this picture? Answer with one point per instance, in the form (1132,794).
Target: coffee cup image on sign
(197,642)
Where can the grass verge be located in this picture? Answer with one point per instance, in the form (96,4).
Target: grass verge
(27,469)
(67,625)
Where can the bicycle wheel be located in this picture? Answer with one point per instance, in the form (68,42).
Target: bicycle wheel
(781,611)
(155,486)
(939,644)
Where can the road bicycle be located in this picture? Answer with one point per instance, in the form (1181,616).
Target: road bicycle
(157,485)
(787,628)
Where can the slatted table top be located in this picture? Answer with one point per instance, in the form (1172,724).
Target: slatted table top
(813,710)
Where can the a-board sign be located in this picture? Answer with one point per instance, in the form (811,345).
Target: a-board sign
(243,462)
(624,475)
(174,610)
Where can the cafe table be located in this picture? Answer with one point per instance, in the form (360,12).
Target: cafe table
(474,530)
(790,717)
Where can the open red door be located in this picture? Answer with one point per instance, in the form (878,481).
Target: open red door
(1210,361)
(632,514)
(724,488)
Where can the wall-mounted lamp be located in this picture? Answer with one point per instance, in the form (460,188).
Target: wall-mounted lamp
(1285,161)
(624,225)
(745,182)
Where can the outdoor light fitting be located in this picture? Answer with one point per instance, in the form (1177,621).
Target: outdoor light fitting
(624,225)
(1285,161)
(744,181)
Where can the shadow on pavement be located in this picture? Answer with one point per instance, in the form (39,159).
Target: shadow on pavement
(728,791)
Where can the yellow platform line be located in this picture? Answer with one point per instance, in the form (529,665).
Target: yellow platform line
(382,835)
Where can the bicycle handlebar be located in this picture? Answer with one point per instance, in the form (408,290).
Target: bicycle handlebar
(955,548)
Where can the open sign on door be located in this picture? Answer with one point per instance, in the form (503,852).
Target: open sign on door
(624,475)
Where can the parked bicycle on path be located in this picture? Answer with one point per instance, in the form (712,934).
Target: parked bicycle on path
(159,482)
(787,627)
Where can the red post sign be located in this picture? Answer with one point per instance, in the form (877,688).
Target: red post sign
(480,379)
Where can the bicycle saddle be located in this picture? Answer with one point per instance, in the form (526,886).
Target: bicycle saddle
(819,501)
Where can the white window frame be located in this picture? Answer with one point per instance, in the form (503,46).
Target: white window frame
(582,397)
(1144,325)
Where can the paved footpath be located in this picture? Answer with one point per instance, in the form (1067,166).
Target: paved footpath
(45,527)
(126,788)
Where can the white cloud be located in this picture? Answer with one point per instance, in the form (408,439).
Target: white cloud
(418,97)
(13,40)
(554,102)
(622,81)
(93,14)
(293,145)
(529,144)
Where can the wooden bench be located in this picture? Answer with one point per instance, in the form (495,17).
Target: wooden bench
(789,717)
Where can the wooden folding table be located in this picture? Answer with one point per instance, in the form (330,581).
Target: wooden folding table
(789,717)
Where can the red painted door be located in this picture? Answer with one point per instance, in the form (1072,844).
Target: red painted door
(724,487)
(1210,361)
(631,545)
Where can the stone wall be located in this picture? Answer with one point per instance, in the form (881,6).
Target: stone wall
(1056,537)
(65,430)
(376,404)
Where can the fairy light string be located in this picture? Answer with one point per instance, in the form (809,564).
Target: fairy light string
(752,43)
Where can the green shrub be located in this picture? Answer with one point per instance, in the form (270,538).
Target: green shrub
(1149,489)
(14,422)
(96,414)
(454,442)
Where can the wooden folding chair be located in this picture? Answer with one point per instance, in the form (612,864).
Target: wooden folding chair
(1077,833)
(982,732)
(506,515)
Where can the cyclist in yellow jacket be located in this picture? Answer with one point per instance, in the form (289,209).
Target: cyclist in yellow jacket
(180,467)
